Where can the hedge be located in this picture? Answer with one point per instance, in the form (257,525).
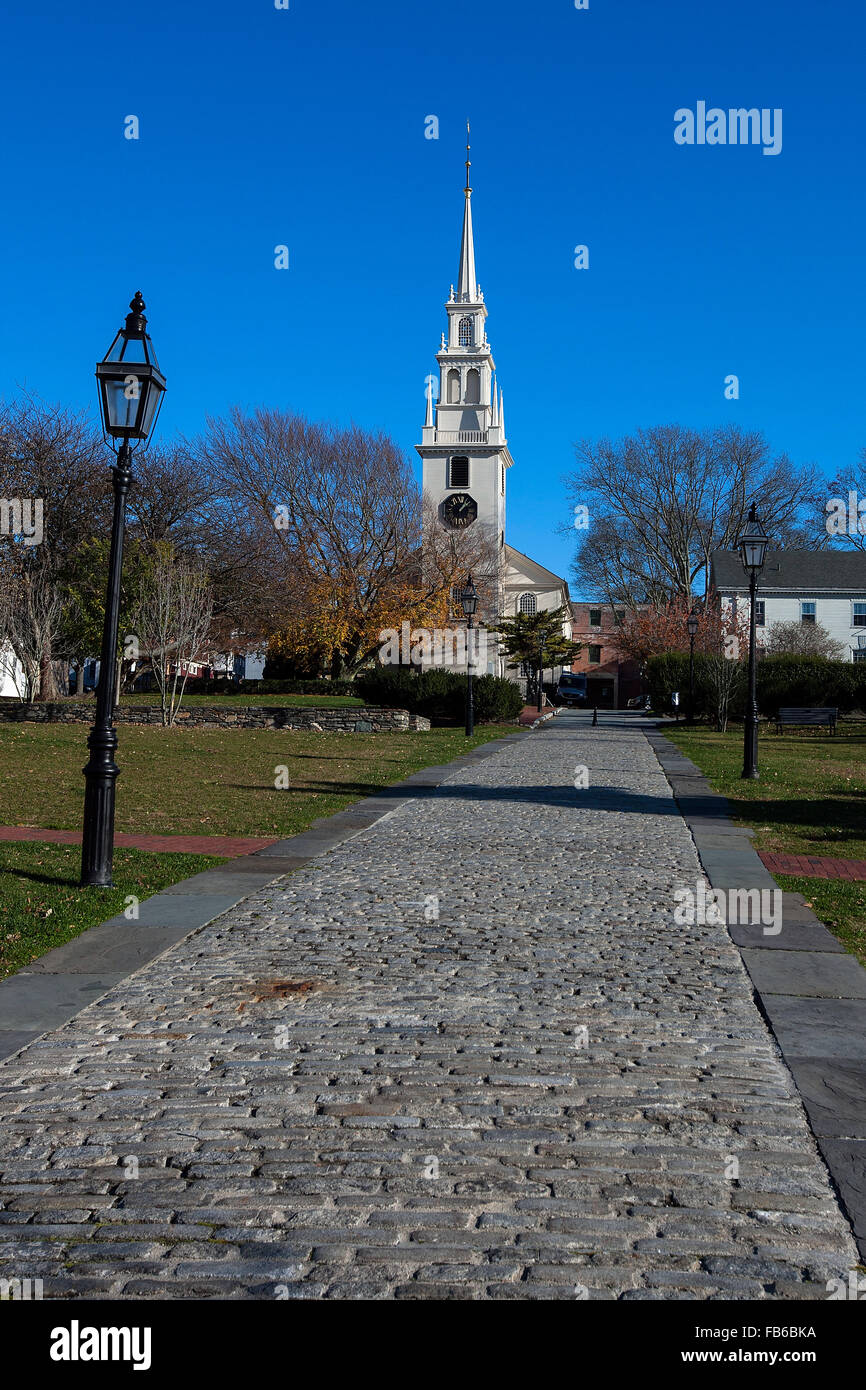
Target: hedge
(789,679)
(440,695)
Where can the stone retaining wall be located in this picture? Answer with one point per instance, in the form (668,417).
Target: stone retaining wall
(361,719)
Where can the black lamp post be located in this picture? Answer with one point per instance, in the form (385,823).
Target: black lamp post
(753,548)
(540,675)
(469,602)
(692,625)
(130,393)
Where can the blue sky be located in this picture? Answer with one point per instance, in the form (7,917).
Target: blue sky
(306,127)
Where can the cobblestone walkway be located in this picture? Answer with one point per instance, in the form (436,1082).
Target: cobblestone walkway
(552,1090)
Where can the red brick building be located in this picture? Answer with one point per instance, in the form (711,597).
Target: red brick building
(612,678)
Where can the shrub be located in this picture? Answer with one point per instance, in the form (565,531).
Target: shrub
(439,694)
(665,673)
(807,680)
(496,700)
(787,679)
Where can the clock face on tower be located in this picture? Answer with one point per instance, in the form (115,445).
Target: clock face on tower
(460,510)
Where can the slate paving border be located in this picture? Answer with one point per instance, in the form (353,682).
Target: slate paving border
(53,989)
(810,990)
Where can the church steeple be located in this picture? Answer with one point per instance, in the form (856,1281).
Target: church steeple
(467,287)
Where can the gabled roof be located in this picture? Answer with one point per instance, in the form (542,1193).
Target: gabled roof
(530,569)
(810,570)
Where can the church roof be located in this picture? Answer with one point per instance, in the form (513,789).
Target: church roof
(467,286)
(533,571)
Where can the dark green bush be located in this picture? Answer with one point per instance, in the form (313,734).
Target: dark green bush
(807,680)
(666,673)
(496,700)
(780,680)
(439,695)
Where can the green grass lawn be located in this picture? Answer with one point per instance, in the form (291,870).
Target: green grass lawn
(811,799)
(41,904)
(213,781)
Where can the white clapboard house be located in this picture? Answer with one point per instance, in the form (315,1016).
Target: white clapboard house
(801,586)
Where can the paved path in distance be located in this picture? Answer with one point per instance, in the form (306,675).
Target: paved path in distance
(467,1053)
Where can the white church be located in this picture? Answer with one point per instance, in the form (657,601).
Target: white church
(465,455)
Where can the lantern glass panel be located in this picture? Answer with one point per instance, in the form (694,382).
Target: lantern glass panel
(152,397)
(121,409)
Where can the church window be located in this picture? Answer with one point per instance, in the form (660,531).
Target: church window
(528,605)
(502,479)
(473,387)
(458,473)
(453,387)
(466,333)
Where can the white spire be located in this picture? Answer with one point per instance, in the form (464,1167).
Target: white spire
(428,423)
(467,287)
(494,417)
(501,412)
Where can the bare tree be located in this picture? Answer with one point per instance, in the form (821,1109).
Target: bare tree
(173,619)
(661,501)
(334,519)
(54,456)
(845,524)
(31,610)
(804,639)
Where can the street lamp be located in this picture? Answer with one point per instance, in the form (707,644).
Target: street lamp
(692,625)
(469,602)
(753,548)
(540,674)
(131,387)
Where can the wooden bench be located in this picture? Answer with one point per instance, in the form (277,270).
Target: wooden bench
(793,717)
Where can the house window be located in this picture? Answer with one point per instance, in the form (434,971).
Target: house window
(594,656)
(808,611)
(595,617)
(458,473)
(528,605)
(859,653)
(760,613)
(466,333)
(860,614)
(619,617)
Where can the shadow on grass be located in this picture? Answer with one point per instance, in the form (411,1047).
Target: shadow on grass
(32,877)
